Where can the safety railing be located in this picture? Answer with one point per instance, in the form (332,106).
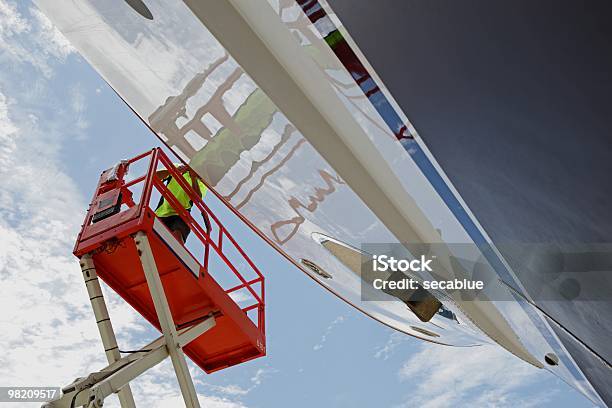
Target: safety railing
(213,235)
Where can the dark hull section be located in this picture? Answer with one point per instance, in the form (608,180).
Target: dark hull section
(513,100)
(593,368)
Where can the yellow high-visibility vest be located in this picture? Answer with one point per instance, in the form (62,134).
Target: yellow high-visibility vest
(164,209)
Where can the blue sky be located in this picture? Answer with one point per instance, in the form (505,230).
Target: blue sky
(60,125)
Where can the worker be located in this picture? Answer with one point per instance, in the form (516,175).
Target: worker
(166,212)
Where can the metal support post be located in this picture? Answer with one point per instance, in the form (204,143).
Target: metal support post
(92,390)
(165,320)
(105,327)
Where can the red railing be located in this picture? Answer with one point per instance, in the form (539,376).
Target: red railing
(203,235)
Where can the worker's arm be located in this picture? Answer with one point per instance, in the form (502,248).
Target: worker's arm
(194,182)
(163,173)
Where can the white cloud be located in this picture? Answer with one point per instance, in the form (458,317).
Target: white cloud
(35,41)
(441,376)
(205,401)
(43,300)
(241,296)
(327,332)
(159,389)
(77,99)
(386,351)
(51,39)
(7,127)
(260,374)
(78,103)
(12,21)
(235,390)
(231,389)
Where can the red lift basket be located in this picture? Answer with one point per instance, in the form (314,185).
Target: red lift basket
(193,294)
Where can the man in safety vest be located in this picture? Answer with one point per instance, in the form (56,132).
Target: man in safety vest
(166,212)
